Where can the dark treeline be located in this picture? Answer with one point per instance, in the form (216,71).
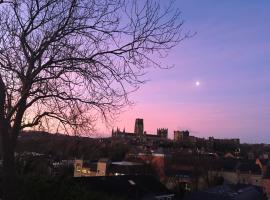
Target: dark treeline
(70,147)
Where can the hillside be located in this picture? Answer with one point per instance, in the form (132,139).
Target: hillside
(70,147)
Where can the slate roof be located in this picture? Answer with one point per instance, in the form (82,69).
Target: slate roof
(130,187)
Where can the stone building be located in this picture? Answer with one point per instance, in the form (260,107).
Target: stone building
(140,135)
(104,167)
(139,128)
(181,135)
(162,132)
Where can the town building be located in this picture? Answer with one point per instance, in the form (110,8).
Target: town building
(104,167)
(162,132)
(181,135)
(139,128)
(230,192)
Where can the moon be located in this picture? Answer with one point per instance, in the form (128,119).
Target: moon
(197,83)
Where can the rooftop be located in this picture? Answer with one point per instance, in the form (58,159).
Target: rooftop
(132,187)
(229,192)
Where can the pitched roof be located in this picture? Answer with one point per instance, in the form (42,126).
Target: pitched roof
(131,187)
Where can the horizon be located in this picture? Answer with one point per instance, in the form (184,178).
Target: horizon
(229,57)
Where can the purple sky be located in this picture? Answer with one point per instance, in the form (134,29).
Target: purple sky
(230,56)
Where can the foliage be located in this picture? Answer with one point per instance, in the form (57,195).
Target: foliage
(70,147)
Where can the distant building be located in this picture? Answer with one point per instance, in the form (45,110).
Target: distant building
(139,128)
(211,142)
(234,171)
(140,135)
(230,141)
(162,132)
(181,135)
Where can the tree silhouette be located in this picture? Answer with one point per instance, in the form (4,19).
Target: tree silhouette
(65,63)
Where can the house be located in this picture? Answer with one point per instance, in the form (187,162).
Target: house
(225,168)
(234,171)
(250,173)
(104,167)
(266,181)
(229,192)
(179,178)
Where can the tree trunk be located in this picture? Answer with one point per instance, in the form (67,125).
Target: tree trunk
(8,142)
(9,172)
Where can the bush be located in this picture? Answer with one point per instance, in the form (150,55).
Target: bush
(48,188)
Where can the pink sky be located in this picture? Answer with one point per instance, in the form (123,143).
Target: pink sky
(230,56)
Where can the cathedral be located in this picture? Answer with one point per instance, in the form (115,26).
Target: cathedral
(139,133)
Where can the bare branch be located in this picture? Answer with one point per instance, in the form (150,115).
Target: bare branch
(77,61)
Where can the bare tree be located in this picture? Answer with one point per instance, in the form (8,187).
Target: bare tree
(65,63)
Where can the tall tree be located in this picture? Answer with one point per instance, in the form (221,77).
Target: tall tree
(65,63)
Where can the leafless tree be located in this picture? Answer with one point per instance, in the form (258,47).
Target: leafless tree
(63,63)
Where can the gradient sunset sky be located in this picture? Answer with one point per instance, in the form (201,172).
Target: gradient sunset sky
(230,57)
